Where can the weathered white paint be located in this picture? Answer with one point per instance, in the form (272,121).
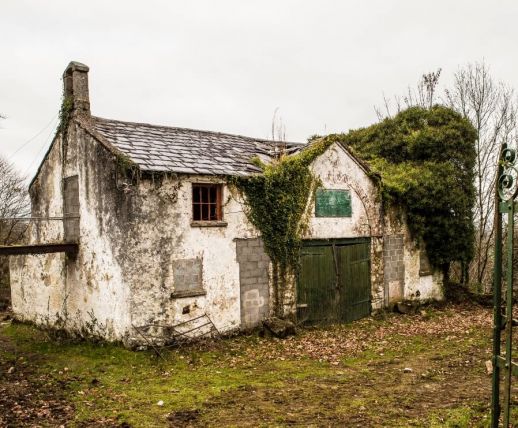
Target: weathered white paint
(419,287)
(37,282)
(215,246)
(131,233)
(337,169)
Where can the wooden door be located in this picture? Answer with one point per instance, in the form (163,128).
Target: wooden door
(334,282)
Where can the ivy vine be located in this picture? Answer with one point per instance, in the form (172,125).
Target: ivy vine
(65,113)
(276,203)
(425,158)
(423,161)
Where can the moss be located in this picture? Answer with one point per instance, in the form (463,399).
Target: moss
(276,202)
(125,165)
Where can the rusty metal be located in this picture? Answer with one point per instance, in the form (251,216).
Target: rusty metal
(174,335)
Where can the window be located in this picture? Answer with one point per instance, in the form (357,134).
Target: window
(71,208)
(187,277)
(333,203)
(206,202)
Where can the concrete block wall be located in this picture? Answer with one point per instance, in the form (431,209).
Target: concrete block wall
(254,266)
(394,266)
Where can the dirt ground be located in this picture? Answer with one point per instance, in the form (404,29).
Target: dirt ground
(395,370)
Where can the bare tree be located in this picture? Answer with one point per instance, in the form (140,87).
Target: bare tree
(423,95)
(14,203)
(278,133)
(278,127)
(491,107)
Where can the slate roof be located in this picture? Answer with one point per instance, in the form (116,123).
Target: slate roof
(187,151)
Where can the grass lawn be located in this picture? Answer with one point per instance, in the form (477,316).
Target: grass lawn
(395,370)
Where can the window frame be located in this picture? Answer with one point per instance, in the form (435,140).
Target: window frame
(199,220)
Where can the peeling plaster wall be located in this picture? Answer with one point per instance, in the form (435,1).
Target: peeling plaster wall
(38,281)
(165,235)
(338,170)
(414,284)
(98,299)
(136,235)
(85,295)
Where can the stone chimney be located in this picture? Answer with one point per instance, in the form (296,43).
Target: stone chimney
(75,82)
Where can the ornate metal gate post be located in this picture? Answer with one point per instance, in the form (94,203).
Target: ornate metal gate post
(506,193)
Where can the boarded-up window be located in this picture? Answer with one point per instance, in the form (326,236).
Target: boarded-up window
(71,207)
(187,277)
(333,203)
(424,264)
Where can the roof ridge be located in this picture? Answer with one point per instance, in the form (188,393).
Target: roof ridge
(262,140)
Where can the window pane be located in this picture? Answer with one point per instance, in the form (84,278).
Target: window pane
(195,194)
(204,194)
(196,212)
(205,212)
(213,211)
(213,194)
(206,202)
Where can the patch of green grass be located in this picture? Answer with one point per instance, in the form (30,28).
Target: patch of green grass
(459,417)
(248,378)
(106,380)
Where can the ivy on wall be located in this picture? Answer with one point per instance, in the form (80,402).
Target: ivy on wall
(276,203)
(425,158)
(65,113)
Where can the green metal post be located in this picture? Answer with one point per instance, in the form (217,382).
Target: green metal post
(509,314)
(497,311)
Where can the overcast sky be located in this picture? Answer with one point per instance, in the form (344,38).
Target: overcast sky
(227,65)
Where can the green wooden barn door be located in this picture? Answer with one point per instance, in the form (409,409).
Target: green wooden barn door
(355,286)
(317,284)
(334,282)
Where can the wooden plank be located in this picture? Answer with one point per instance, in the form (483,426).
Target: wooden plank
(338,241)
(355,288)
(316,285)
(334,282)
(16,250)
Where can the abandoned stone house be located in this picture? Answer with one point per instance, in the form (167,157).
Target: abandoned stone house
(152,234)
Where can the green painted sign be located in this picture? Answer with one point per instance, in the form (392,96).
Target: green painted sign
(333,203)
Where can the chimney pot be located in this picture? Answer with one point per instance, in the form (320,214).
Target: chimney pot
(75,84)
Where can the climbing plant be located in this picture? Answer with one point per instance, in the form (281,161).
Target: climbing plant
(425,158)
(65,113)
(276,203)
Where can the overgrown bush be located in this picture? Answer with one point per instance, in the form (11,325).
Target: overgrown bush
(425,158)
